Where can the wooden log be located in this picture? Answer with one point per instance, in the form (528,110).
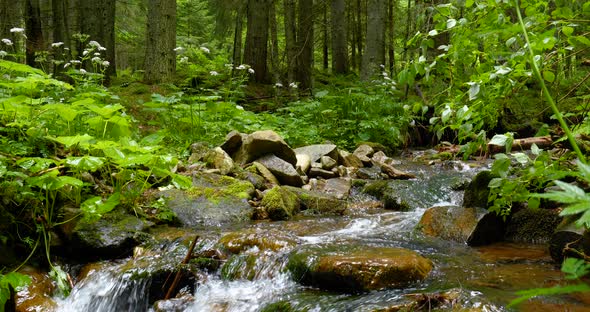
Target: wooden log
(522,144)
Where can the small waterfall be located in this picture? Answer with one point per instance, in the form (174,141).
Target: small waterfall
(104,291)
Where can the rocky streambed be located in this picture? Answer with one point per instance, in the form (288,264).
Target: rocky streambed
(309,229)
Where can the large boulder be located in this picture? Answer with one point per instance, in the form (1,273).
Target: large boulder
(37,295)
(457,224)
(233,141)
(315,152)
(357,268)
(260,143)
(532,225)
(218,159)
(314,202)
(212,201)
(280,203)
(112,236)
(274,240)
(281,169)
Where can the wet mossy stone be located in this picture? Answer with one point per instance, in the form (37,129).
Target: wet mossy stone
(279,306)
(477,191)
(280,203)
(454,223)
(112,236)
(318,203)
(275,240)
(532,226)
(356,268)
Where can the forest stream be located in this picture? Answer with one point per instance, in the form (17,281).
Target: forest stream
(257,278)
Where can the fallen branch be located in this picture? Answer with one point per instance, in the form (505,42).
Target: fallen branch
(523,144)
(186,259)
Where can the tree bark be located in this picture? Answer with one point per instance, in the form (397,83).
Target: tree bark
(11,15)
(256,48)
(352,35)
(375,48)
(339,31)
(237,52)
(325,45)
(305,45)
(274,43)
(359,33)
(290,39)
(97,19)
(160,57)
(391,39)
(34,31)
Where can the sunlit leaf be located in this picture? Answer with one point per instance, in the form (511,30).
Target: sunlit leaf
(473,91)
(85,163)
(499,140)
(548,75)
(451,22)
(69,141)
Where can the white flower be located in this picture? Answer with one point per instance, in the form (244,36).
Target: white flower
(278,85)
(106,63)
(57,44)
(204,49)
(96,54)
(239,107)
(229,65)
(251,71)
(213,73)
(94,44)
(7,42)
(75,62)
(85,52)
(102,49)
(178,49)
(82,71)
(96,59)
(241,67)
(293,85)
(17,30)
(67,65)
(184,59)
(3,54)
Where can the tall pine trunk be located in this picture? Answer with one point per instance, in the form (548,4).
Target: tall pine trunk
(11,15)
(160,57)
(34,31)
(256,48)
(290,39)
(374,55)
(325,39)
(237,52)
(305,45)
(274,43)
(339,31)
(391,39)
(97,19)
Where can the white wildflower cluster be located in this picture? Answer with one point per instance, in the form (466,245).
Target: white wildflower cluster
(7,41)
(387,81)
(205,49)
(3,54)
(245,67)
(17,30)
(57,44)
(95,45)
(213,73)
(278,85)
(183,60)
(178,49)
(293,85)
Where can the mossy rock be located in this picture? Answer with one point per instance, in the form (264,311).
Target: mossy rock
(280,203)
(454,223)
(215,186)
(275,240)
(318,203)
(477,191)
(532,225)
(357,268)
(279,306)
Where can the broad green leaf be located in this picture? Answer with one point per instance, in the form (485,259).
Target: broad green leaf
(22,68)
(535,149)
(96,206)
(64,111)
(521,158)
(548,75)
(534,202)
(182,182)
(499,140)
(451,22)
(446,114)
(84,102)
(495,182)
(106,111)
(473,91)
(567,30)
(69,141)
(35,164)
(85,163)
(501,167)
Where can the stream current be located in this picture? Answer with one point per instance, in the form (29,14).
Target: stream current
(482,279)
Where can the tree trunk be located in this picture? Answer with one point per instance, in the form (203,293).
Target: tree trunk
(34,31)
(11,15)
(359,33)
(98,21)
(339,31)
(352,35)
(274,46)
(237,52)
(61,33)
(305,45)
(160,57)
(290,40)
(256,48)
(375,49)
(325,45)
(391,40)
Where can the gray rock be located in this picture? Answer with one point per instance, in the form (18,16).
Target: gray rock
(319,203)
(338,187)
(284,171)
(349,160)
(370,173)
(303,163)
(233,141)
(264,172)
(217,158)
(318,150)
(198,151)
(262,143)
(328,162)
(364,153)
(317,172)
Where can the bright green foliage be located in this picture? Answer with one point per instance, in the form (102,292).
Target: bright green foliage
(11,280)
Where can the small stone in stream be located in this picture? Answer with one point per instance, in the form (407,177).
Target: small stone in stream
(328,163)
(393,173)
(364,153)
(317,172)
(303,163)
(284,171)
(349,160)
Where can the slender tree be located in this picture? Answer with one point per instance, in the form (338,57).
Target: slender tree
(339,31)
(238,29)
(290,38)
(11,15)
(325,38)
(97,19)
(34,31)
(374,55)
(160,54)
(305,44)
(256,48)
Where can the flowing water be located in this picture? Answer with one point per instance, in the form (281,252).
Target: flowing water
(479,279)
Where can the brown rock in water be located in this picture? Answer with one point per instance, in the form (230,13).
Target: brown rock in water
(284,171)
(450,222)
(37,296)
(275,240)
(357,268)
(261,143)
